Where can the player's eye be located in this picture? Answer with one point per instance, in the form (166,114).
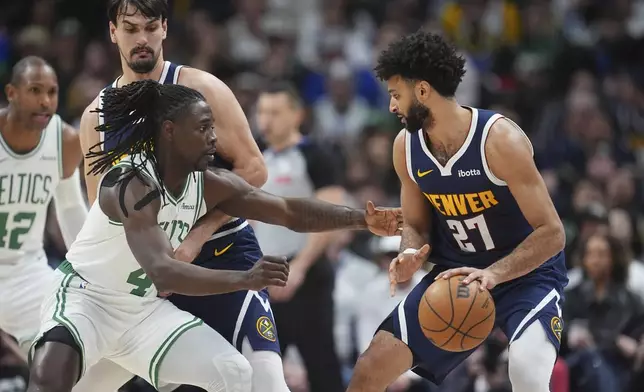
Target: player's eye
(34,90)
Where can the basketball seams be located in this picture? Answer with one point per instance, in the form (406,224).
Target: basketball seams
(451,300)
(448,324)
(476,293)
(467,333)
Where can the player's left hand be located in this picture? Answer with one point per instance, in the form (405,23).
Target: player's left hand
(384,222)
(487,278)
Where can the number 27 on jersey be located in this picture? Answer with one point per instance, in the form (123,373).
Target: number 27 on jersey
(462,230)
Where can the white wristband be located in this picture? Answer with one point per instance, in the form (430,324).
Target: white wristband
(410,251)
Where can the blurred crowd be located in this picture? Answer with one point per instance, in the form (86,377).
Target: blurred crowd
(570,72)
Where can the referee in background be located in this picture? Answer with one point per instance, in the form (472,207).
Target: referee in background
(299,167)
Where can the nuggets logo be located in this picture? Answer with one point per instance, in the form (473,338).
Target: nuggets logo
(266,329)
(557,327)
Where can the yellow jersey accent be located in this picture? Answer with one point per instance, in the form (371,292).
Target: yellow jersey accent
(221,252)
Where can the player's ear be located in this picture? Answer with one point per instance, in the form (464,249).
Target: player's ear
(10,92)
(164,27)
(113,32)
(167,130)
(422,90)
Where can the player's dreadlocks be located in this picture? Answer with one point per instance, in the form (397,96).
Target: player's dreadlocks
(134,114)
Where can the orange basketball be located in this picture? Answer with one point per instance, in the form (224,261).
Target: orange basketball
(454,316)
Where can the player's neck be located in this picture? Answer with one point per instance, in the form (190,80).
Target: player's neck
(291,140)
(18,137)
(174,173)
(452,123)
(130,76)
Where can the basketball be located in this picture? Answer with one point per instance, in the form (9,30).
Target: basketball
(456,317)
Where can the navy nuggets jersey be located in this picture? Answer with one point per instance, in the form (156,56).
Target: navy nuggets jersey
(475,219)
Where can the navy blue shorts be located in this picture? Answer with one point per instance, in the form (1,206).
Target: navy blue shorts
(536,296)
(238,315)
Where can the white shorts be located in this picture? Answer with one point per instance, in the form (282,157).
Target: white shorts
(133,332)
(23,287)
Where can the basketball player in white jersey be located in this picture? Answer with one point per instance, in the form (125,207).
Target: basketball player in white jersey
(138,28)
(39,159)
(104,303)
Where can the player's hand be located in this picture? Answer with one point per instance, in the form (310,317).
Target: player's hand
(384,222)
(488,279)
(268,271)
(403,267)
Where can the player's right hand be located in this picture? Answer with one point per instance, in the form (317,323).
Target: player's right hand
(268,271)
(403,267)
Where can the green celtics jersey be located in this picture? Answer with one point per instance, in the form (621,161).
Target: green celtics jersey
(27,185)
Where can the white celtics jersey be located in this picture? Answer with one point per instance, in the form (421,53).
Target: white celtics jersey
(101,254)
(27,184)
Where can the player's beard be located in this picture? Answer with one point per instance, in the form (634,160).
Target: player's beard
(418,117)
(143,66)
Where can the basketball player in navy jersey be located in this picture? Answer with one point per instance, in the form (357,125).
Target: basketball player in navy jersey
(474,204)
(138,28)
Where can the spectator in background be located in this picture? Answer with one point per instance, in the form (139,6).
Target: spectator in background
(596,311)
(299,167)
(341,115)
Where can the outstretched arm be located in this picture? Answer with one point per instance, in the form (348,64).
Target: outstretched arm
(71,209)
(136,203)
(234,196)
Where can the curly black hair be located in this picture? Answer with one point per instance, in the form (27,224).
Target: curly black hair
(423,56)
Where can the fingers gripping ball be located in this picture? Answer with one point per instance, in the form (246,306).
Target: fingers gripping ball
(456,317)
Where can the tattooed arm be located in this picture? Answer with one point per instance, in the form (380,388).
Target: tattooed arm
(136,203)
(229,193)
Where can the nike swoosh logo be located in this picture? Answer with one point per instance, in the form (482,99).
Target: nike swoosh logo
(423,174)
(221,252)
